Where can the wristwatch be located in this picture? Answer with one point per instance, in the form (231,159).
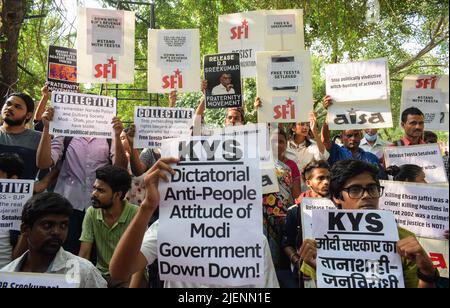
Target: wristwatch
(430,279)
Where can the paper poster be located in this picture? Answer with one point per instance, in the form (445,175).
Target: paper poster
(359,116)
(154,125)
(211,212)
(427,156)
(223,73)
(35,281)
(62,69)
(284,84)
(82,115)
(307,206)
(13,196)
(174,61)
(430,94)
(419,208)
(256,31)
(105,46)
(438,252)
(357,249)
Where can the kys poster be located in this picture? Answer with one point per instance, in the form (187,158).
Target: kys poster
(105,46)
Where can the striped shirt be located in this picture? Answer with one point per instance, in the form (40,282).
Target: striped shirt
(95,230)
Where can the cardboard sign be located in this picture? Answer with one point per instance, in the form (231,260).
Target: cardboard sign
(284,84)
(174,61)
(82,115)
(430,94)
(35,281)
(105,46)
(13,196)
(223,73)
(62,69)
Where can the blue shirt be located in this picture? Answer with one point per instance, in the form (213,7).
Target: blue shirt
(338,153)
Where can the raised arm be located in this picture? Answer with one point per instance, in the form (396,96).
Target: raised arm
(43,156)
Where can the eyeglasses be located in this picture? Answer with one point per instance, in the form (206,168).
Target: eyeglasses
(357,191)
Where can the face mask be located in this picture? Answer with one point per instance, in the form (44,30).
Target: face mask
(371,138)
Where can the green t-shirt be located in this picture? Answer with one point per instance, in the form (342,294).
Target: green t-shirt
(95,230)
(409,268)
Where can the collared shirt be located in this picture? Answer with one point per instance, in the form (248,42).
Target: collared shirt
(377,148)
(95,230)
(149,249)
(77,175)
(66,263)
(303,155)
(222,90)
(406,141)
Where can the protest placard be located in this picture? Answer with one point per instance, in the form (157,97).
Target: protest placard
(257,135)
(210,213)
(62,69)
(307,206)
(173,61)
(105,46)
(13,196)
(35,281)
(427,156)
(255,31)
(419,208)
(357,249)
(284,84)
(360,93)
(154,124)
(438,253)
(430,94)
(223,73)
(82,115)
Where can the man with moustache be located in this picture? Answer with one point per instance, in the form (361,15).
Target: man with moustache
(45,220)
(354,186)
(107,219)
(15,137)
(413,124)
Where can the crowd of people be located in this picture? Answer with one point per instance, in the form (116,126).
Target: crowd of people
(96,200)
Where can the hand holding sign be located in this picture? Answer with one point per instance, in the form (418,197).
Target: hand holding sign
(117,126)
(327,101)
(411,249)
(47,117)
(308,252)
(151,181)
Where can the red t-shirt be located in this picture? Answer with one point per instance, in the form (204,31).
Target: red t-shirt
(294,169)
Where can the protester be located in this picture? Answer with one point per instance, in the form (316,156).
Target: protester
(138,246)
(107,219)
(316,175)
(45,220)
(373,143)
(407,173)
(354,185)
(413,124)
(78,158)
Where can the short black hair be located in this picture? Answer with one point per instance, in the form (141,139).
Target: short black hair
(344,170)
(26,98)
(404,173)
(427,135)
(43,205)
(117,178)
(309,168)
(411,111)
(11,164)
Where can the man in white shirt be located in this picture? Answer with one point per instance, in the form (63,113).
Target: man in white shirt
(225,87)
(373,143)
(138,246)
(45,220)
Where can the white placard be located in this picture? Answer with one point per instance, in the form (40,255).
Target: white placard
(211,210)
(360,116)
(419,208)
(357,249)
(307,206)
(438,252)
(252,32)
(105,46)
(430,94)
(358,81)
(154,125)
(288,103)
(427,156)
(35,281)
(13,196)
(82,115)
(174,61)
(285,74)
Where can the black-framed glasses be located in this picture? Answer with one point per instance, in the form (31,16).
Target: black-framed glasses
(357,191)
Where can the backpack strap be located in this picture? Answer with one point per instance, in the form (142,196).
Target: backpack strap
(67,141)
